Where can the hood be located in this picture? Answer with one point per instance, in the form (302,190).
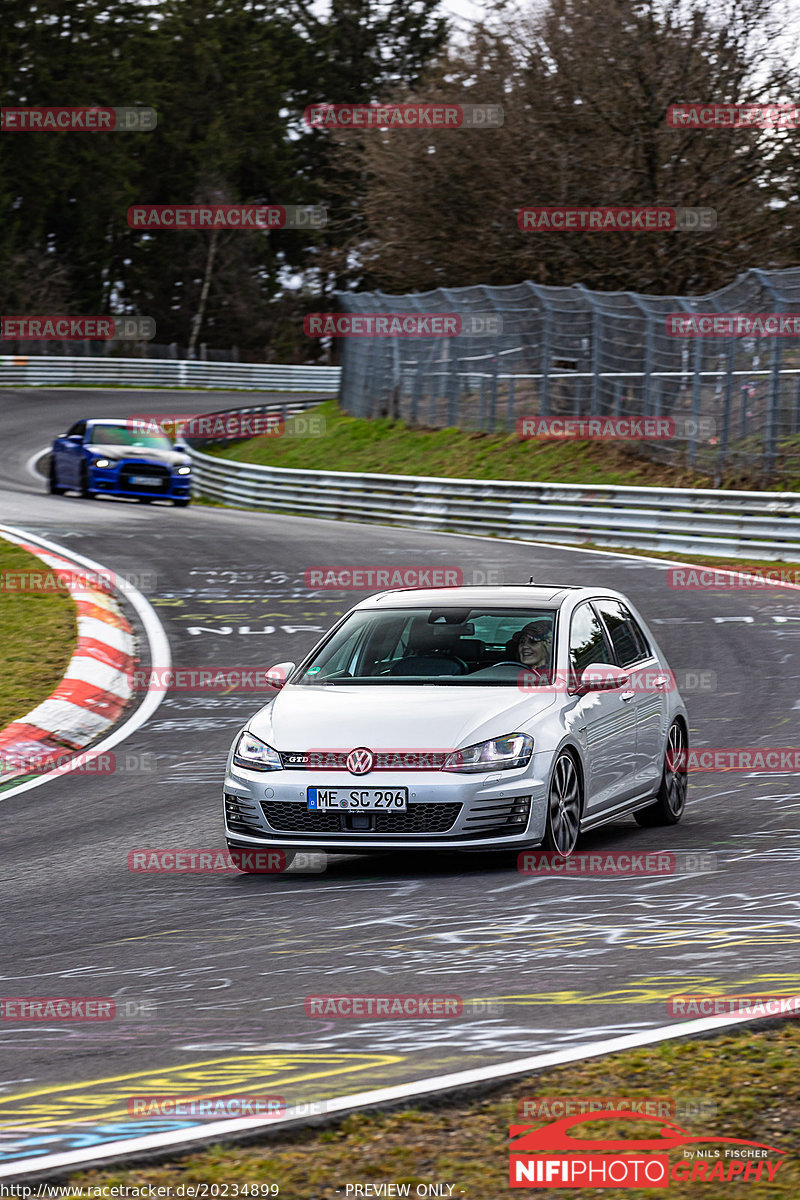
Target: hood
(171,458)
(303,717)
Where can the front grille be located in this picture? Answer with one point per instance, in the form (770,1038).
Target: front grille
(386,760)
(151,470)
(420,818)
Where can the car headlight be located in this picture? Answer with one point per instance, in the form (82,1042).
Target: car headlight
(498,754)
(102,462)
(184,471)
(256,755)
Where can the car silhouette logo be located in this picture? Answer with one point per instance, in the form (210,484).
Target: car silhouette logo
(360,761)
(557,1137)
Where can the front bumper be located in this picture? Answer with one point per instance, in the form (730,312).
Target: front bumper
(115,481)
(446,810)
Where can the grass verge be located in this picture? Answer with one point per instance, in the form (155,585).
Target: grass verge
(750,1080)
(38,633)
(393,448)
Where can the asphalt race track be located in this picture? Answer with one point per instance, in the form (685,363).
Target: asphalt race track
(210,971)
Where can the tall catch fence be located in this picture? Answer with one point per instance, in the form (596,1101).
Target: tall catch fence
(732,401)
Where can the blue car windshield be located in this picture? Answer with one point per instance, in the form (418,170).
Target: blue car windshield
(448,647)
(121,435)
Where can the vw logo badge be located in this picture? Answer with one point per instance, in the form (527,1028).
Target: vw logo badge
(360,761)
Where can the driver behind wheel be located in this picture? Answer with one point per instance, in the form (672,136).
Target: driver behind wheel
(532,645)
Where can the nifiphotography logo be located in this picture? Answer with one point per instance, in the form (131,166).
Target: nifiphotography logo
(550,1156)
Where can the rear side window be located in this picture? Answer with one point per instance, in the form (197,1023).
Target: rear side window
(587,640)
(78,429)
(630,644)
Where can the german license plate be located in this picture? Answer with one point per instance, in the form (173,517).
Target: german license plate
(145,481)
(358,799)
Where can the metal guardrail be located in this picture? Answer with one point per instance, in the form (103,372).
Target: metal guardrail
(703,521)
(52,371)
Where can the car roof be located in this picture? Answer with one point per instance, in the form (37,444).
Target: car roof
(519,596)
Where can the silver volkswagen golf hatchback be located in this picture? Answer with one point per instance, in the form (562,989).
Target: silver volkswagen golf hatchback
(463,718)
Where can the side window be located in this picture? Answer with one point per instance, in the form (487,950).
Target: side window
(630,644)
(587,641)
(78,429)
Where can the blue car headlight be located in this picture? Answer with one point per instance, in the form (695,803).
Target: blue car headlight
(498,754)
(255,755)
(183,471)
(101,462)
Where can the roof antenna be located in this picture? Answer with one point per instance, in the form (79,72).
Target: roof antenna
(530,581)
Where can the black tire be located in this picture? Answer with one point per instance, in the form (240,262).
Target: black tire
(181,503)
(52,486)
(670,799)
(564,804)
(86,492)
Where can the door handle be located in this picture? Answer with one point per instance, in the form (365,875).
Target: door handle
(626,696)
(661,681)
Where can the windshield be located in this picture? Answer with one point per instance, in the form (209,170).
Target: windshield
(121,435)
(455,647)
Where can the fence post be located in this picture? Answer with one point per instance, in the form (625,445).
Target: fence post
(452,386)
(773,409)
(696,386)
(493,393)
(544,389)
(796,408)
(596,381)
(726,411)
(743,413)
(511,423)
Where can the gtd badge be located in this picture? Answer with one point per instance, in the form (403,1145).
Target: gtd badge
(360,761)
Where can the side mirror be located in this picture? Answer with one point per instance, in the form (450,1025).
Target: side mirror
(277,675)
(603,677)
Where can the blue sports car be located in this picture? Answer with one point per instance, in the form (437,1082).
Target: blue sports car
(120,458)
